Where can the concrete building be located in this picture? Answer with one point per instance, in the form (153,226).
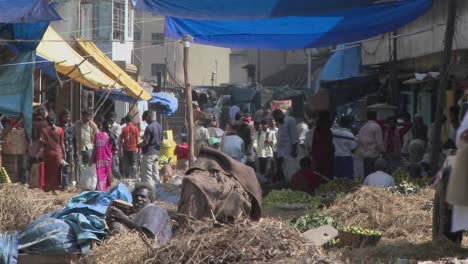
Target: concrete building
(109,23)
(273,68)
(154,54)
(419,48)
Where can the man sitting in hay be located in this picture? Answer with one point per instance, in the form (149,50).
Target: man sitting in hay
(143,216)
(219,187)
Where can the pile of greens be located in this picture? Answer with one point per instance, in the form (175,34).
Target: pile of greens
(287,197)
(312,220)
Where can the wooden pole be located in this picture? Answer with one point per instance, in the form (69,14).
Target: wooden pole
(188,100)
(444,82)
(394,81)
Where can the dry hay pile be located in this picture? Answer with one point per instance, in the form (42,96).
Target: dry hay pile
(266,241)
(19,206)
(126,247)
(399,217)
(405,220)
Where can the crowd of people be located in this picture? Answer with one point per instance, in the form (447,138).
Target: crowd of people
(298,152)
(304,153)
(61,150)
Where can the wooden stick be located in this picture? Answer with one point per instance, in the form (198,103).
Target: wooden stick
(444,81)
(188,100)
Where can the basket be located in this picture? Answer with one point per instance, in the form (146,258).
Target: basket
(358,241)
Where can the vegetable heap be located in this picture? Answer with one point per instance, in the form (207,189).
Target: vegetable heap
(4,178)
(361,231)
(340,185)
(278,197)
(313,220)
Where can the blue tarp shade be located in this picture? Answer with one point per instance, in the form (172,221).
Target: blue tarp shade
(16,76)
(166,99)
(47,67)
(169,101)
(26,11)
(115,95)
(288,33)
(343,64)
(244,9)
(16,87)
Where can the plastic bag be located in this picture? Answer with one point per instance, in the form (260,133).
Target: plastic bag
(88,178)
(8,249)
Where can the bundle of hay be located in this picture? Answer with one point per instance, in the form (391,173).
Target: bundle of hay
(20,205)
(248,242)
(123,248)
(399,217)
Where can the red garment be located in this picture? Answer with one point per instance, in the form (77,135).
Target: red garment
(130,135)
(182,151)
(393,137)
(323,152)
(305,180)
(52,139)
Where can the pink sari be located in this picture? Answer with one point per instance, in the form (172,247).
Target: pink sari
(103,150)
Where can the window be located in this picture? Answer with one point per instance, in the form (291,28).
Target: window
(136,36)
(157,38)
(118,25)
(158,68)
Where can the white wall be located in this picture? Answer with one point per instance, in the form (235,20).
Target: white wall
(237,74)
(203,60)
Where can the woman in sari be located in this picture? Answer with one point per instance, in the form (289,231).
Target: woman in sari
(323,150)
(103,147)
(52,138)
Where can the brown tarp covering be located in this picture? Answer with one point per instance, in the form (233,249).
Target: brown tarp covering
(215,181)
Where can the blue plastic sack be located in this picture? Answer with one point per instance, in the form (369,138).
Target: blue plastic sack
(8,249)
(47,235)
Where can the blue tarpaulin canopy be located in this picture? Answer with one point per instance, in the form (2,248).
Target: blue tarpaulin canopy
(167,100)
(343,64)
(343,76)
(244,9)
(298,32)
(26,11)
(16,75)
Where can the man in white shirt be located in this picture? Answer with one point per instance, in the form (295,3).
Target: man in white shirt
(370,142)
(379,178)
(265,143)
(344,142)
(287,140)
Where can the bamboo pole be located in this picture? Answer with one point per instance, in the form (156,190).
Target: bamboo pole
(439,217)
(444,82)
(188,99)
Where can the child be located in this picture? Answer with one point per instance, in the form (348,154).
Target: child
(182,153)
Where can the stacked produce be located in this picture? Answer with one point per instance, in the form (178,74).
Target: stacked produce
(4,178)
(340,185)
(405,184)
(361,231)
(401,176)
(312,220)
(288,198)
(358,237)
(332,243)
(163,160)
